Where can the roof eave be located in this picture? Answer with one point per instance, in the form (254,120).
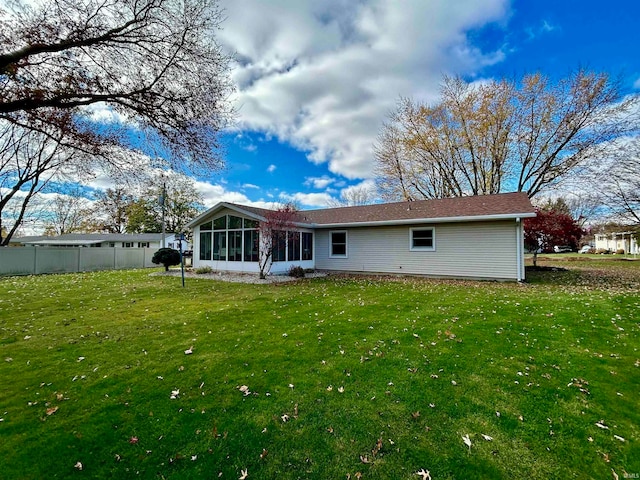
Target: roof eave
(410,221)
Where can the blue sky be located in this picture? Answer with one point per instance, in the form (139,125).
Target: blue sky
(316,79)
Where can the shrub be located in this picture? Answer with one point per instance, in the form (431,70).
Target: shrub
(203,270)
(620,251)
(167,257)
(296,271)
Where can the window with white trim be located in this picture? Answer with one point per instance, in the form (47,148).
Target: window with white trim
(338,244)
(423,239)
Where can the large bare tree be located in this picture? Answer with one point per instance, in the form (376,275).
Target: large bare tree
(500,135)
(618,182)
(69,211)
(151,67)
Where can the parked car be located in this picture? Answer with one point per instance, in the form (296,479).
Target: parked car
(587,249)
(562,249)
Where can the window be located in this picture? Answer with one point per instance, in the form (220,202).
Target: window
(112,244)
(235,223)
(338,247)
(279,246)
(220,245)
(205,245)
(233,239)
(143,244)
(307,246)
(127,244)
(220,223)
(235,246)
(293,246)
(422,239)
(251,245)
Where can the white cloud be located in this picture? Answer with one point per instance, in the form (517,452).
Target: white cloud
(324,75)
(636,84)
(271,168)
(319,183)
(250,185)
(307,199)
(214,194)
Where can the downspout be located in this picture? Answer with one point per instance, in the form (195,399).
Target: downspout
(519,247)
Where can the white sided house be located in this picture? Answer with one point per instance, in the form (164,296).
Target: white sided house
(478,237)
(624,242)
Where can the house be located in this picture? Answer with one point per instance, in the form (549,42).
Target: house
(617,242)
(478,237)
(22,241)
(117,240)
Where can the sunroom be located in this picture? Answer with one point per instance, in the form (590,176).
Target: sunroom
(226,239)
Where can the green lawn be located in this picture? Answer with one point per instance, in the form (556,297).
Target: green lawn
(329,378)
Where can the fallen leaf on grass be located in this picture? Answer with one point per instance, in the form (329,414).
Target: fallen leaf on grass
(189,351)
(615,475)
(52,410)
(424,474)
(264,453)
(377,448)
(618,437)
(601,424)
(243,474)
(133,440)
(467,441)
(174,394)
(78,465)
(487,437)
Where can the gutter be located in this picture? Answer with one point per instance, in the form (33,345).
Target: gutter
(411,221)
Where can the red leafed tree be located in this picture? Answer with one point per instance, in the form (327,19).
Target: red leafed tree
(551,227)
(273,232)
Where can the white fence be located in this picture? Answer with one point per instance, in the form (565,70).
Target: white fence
(35,260)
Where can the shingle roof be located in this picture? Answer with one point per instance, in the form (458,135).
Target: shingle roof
(79,238)
(504,205)
(480,207)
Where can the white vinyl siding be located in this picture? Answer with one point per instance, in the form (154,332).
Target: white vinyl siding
(471,250)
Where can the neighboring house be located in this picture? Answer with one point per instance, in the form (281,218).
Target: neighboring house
(21,241)
(467,237)
(117,240)
(616,241)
